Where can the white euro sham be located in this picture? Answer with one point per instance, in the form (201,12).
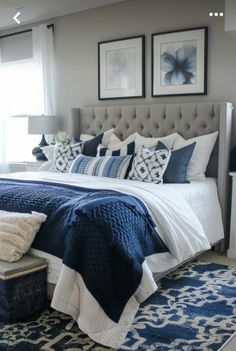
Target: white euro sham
(201,154)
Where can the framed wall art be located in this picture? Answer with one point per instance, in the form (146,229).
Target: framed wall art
(121,68)
(179,62)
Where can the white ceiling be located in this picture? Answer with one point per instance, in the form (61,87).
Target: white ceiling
(38,10)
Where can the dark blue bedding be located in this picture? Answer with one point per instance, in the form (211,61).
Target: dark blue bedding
(104,235)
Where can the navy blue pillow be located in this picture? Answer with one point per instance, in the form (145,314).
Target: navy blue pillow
(90,146)
(176,170)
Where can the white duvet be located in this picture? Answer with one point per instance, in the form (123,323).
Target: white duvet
(177,225)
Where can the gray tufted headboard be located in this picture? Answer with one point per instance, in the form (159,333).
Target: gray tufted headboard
(189,120)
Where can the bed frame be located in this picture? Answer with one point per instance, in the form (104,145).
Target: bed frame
(189,120)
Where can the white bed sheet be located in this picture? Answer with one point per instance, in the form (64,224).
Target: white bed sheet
(203,199)
(201,196)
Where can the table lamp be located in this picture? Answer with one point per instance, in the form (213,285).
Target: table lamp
(42,125)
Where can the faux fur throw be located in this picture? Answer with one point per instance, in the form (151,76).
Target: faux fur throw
(17,232)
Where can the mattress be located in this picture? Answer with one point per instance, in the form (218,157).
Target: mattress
(201,196)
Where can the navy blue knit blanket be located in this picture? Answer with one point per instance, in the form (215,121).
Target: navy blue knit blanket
(104,235)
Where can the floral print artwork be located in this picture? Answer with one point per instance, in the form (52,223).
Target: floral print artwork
(178,63)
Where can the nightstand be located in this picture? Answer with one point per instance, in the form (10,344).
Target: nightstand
(25,166)
(231,253)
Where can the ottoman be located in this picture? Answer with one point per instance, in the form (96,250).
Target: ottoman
(23,288)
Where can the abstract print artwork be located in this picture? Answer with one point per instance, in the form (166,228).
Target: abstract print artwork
(121,68)
(179,62)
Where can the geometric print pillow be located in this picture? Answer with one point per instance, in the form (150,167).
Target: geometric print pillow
(64,155)
(149,165)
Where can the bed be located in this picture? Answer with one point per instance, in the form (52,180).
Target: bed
(206,202)
(189,120)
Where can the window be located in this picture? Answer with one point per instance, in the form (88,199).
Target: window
(20,94)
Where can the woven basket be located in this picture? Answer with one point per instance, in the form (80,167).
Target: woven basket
(23,294)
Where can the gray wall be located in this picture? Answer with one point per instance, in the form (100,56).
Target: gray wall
(77,35)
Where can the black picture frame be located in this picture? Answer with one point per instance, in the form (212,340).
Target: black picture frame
(122,45)
(198,34)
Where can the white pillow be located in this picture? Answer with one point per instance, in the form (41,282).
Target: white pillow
(17,232)
(85,137)
(48,151)
(114,140)
(47,167)
(168,140)
(201,154)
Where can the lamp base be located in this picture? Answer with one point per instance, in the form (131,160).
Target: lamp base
(43,141)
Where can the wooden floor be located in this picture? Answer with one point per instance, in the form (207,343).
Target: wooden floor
(211,256)
(230,345)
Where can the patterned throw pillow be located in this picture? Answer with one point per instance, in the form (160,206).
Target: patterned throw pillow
(149,165)
(64,155)
(124,151)
(107,166)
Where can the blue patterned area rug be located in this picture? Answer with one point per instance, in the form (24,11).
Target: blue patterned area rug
(195,309)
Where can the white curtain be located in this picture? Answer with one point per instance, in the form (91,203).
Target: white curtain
(26,88)
(43,52)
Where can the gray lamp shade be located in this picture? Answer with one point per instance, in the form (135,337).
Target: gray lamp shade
(42,125)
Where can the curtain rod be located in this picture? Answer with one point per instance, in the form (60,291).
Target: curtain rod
(24,31)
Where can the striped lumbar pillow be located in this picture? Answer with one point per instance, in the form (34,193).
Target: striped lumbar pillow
(124,151)
(107,166)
